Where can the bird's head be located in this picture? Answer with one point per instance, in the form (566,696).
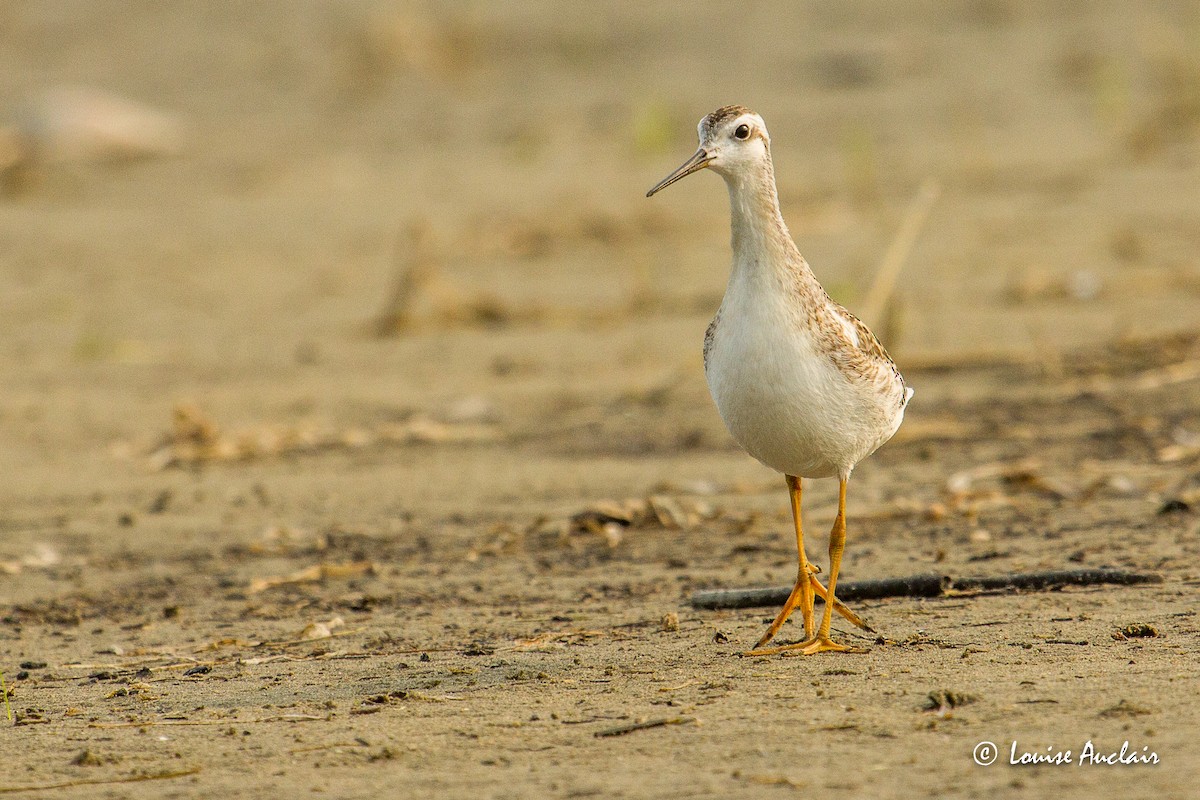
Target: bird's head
(733,141)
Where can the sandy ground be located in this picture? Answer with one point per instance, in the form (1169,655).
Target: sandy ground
(250,545)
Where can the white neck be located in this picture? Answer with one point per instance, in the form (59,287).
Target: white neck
(762,246)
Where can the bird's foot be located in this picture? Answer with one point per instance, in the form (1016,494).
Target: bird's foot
(823,644)
(809,647)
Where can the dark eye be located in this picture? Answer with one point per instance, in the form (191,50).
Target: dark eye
(742,133)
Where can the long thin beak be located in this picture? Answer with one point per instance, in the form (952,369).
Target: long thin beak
(694,164)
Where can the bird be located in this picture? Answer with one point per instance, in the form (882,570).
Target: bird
(800,382)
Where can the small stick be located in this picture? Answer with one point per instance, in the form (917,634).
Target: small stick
(174,722)
(156,722)
(885,280)
(155,776)
(414,265)
(4,691)
(621,730)
(1036,581)
(927,585)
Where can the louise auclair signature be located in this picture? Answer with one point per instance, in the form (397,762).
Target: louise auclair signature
(987,753)
(1088,754)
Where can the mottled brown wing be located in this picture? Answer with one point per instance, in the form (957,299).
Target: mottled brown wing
(708,337)
(867,358)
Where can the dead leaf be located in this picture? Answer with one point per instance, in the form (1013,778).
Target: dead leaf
(313,574)
(196,438)
(320,630)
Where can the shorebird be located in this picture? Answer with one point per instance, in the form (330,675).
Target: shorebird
(800,382)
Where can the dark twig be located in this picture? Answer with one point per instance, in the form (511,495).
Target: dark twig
(621,730)
(414,264)
(1036,581)
(928,585)
(138,778)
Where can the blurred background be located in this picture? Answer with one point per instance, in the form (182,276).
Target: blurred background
(347,215)
(337,331)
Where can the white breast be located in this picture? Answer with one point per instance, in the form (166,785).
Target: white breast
(781,398)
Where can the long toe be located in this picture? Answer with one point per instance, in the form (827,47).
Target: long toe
(823,644)
(809,647)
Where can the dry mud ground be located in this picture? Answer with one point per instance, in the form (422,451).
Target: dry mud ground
(251,547)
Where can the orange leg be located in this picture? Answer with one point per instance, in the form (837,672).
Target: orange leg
(821,642)
(802,592)
(807,584)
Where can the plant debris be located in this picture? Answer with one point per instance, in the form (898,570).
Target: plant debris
(1124,708)
(621,730)
(196,439)
(1137,630)
(942,701)
(314,574)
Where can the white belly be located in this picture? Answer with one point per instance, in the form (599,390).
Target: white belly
(787,403)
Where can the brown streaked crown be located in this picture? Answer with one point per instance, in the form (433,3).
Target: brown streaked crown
(713,120)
